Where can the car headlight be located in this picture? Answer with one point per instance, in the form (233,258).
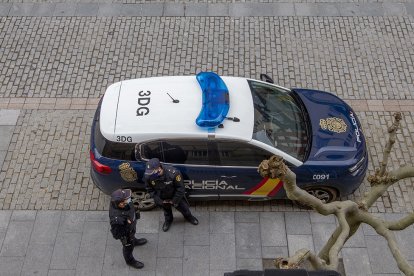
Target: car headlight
(357,165)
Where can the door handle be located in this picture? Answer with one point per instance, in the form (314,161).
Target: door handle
(228,176)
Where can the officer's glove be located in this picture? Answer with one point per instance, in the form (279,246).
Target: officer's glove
(124,241)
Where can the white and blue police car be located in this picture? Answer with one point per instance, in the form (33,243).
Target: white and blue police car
(216,131)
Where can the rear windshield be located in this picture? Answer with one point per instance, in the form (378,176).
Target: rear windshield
(113,150)
(278,120)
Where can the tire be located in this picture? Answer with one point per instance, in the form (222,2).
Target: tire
(326,194)
(142,200)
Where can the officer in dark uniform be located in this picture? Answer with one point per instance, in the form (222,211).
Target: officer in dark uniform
(165,185)
(123,219)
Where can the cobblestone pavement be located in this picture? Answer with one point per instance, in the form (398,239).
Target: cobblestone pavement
(55,69)
(354,57)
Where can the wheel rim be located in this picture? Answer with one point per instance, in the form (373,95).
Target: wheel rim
(142,200)
(322,194)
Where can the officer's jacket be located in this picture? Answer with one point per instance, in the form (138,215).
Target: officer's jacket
(118,218)
(169,186)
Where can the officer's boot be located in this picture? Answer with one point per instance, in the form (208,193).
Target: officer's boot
(138,242)
(129,258)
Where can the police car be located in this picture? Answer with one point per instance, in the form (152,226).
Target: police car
(216,131)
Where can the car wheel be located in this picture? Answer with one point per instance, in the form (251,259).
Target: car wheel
(325,194)
(142,200)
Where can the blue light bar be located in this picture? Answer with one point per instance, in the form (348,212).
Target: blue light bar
(215,100)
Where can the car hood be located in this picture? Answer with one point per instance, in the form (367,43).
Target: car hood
(336,131)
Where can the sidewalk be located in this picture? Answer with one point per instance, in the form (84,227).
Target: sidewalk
(80,243)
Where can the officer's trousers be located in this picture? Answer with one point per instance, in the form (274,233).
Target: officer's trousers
(128,247)
(182,207)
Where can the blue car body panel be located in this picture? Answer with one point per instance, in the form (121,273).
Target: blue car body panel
(328,164)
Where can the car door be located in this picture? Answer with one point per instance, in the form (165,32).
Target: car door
(192,157)
(238,172)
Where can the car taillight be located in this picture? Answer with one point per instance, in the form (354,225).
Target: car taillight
(98,166)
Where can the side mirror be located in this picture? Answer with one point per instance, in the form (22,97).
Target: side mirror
(266,78)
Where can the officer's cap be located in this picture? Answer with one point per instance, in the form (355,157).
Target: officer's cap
(120,194)
(152,165)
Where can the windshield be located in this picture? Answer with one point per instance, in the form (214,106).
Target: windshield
(278,120)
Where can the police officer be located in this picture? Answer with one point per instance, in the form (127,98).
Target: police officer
(165,185)
(123,219)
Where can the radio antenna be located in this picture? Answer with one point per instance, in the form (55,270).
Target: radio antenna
(174,100)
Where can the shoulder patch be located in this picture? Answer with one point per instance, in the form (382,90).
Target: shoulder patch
(178,177)
(153,183)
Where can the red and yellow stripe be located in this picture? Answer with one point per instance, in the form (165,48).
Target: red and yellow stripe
(266,187)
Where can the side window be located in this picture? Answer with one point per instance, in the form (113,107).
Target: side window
(234,153)
(185,152)
(151,150)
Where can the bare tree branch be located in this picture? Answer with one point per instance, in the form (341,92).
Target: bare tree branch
(400,224)
(392,130)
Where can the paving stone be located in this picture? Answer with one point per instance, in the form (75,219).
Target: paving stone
(394,9)
(360,9)
(5,8)
(200,234)
(45,227)
(11,265)
(196,9)
(410,8)
(89,266)
(252,217)
(318,218)
(297,242)
(146,253)
(169,266)
(149,222)
(298,223)
(222,222)
(222,251)
(91,244)
(153,9)
(173,9)
(5,216)
(316,9)
(72,221)
(3,154)
(284,9)
(87,9)
(218,9)
(272,230)
(43,9)
(270,252)
(6,133)
(248,243)
(380,257)
(21,9)
(250,264)
(196,260)
(130,10)
(114,262)
(65,252)
(23,215)
(8,117)
(356,261)
(65,9)
(171,243)
(110,9)
(37,259)
(321,234)
(17,239)
(97,216)
(62,272)
(251,9)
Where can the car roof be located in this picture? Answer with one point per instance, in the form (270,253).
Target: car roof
(141,110)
